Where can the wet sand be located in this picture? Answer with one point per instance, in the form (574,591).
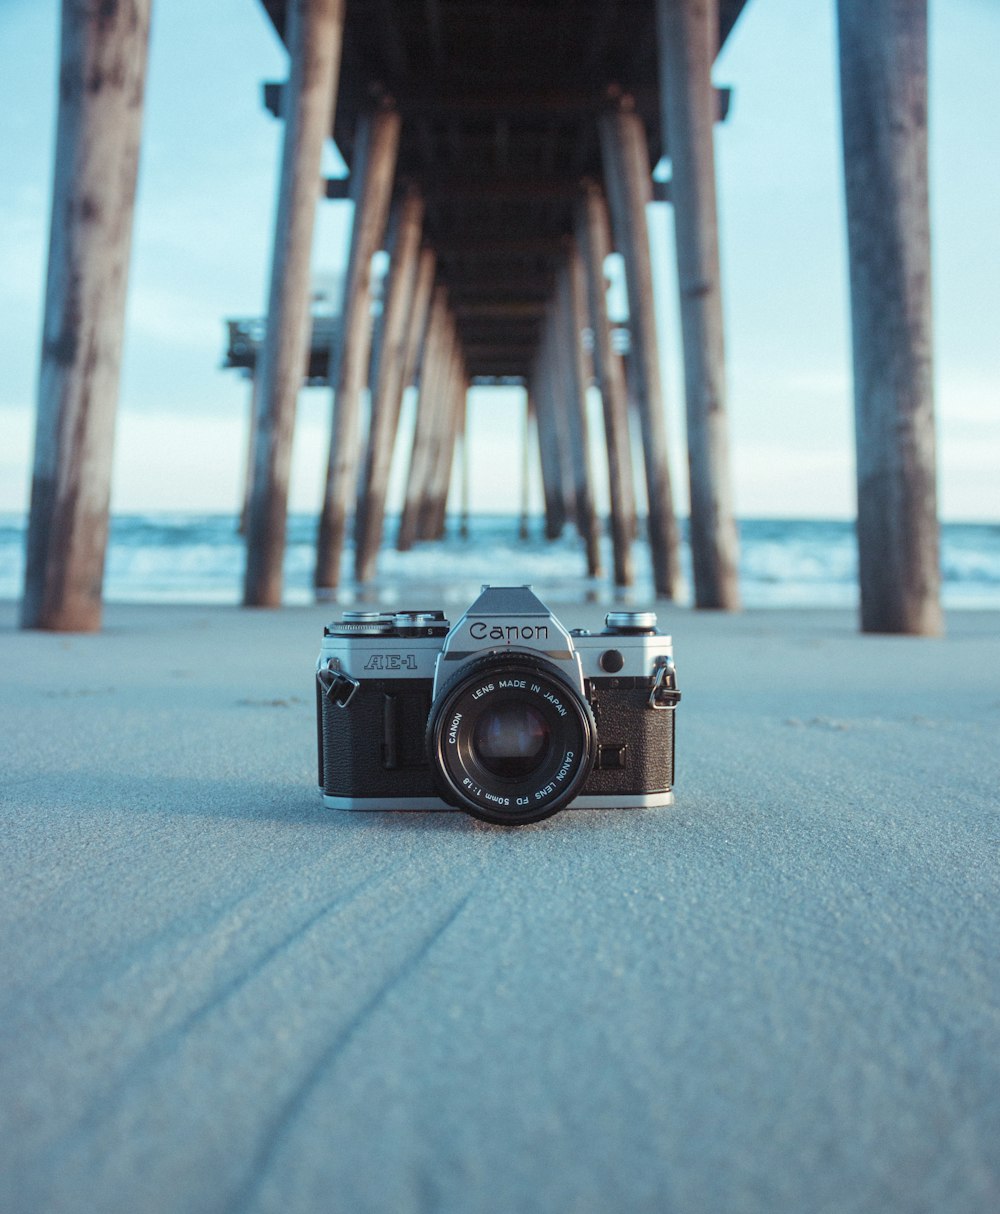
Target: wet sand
(780,995)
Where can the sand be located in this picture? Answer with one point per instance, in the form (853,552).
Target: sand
(780,995)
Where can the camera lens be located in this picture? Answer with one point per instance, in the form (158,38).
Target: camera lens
(510,739)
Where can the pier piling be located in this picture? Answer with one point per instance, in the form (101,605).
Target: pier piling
(548,451)
(400,306)
(688,37)
(883,91)
(101,89)
(595,243)
(577,372)
(314,35)
(629,180)
(372,176)
(434,371)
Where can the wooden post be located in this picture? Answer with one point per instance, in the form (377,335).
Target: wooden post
(372,175)
(314,35)
(451,424)
(466,466)
(419,316)
(554,387)
(522,530)
(570,321)
(389,385)
(101,84)
(420,353)
(629,181)
(439,431)
(252,410)
(433,379)
(688,35)
(595,243)
(540,403)
(883,95)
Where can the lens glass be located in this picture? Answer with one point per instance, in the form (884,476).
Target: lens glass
(511,740)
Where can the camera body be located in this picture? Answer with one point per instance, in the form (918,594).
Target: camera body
(507,715)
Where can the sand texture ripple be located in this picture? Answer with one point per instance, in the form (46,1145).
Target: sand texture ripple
(780,995)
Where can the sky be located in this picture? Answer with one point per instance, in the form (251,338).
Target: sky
(203,230)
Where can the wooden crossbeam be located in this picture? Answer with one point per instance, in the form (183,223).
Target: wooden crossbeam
(485,188)
(491,310)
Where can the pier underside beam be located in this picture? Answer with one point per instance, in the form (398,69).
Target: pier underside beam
(102,78)
(883,93)
(314,36)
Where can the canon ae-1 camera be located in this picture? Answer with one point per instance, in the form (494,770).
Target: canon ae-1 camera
(507,715)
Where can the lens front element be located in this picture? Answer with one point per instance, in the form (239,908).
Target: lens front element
(510,739)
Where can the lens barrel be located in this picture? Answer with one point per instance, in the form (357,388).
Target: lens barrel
(510,740)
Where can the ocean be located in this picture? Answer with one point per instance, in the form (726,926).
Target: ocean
(188,558)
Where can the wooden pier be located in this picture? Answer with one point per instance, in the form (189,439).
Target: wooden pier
(529,134)
(499,152)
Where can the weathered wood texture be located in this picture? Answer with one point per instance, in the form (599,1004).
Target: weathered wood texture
(688,38)
(419,316)
(883,90)
(628,176)
(595,244)
(553,388)
(431,525)
(420,343)
(440,444)
(569,320)
(101,86)
(465,471)
(434,370)
(389,386)
(253,408)
(374,170)
(314,35)
(526,438)
(437,425)
(548,451)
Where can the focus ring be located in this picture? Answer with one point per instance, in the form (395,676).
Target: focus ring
(489,685)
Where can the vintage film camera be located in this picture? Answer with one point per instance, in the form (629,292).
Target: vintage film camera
(508,715)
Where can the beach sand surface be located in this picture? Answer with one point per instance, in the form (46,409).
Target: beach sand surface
(779,995)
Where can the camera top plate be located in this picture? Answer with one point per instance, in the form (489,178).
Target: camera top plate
(504,619)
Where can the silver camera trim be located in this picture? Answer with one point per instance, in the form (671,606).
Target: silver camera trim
(654,800)
(577,655)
